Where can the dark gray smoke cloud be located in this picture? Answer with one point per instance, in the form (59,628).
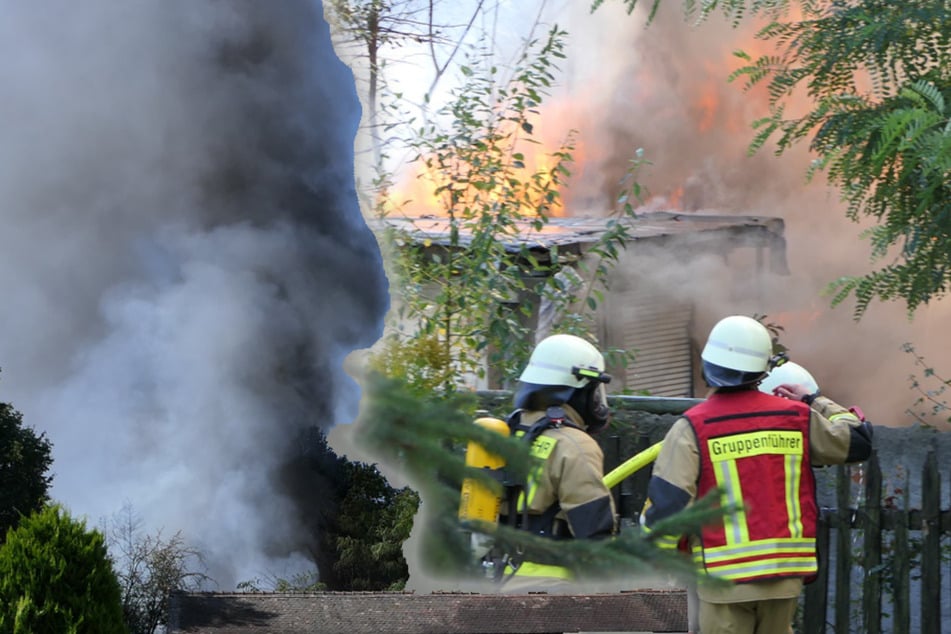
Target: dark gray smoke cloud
(184,262)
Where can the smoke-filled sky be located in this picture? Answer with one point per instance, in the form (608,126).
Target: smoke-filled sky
(184,262)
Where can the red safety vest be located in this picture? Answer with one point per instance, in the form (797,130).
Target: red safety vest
(755,448)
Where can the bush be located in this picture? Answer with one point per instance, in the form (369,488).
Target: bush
(24,469)
(56,578)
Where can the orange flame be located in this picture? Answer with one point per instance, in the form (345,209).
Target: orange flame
(424,187)
(712,106)
(676,198)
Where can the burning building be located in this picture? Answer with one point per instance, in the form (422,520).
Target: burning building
(650,309)
(701,246)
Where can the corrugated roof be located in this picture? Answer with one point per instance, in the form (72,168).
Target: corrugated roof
(442,613)
(585,229)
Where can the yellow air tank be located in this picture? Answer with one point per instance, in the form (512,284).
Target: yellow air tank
(479,501)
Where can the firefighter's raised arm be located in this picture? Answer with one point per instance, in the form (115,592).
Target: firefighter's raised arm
(837,434)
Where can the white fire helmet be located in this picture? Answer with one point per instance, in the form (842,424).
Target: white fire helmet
(565,369)
(737,352)
(790,373)
(556,359)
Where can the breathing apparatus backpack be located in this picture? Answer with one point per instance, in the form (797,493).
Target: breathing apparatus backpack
(478,501)
(481,502)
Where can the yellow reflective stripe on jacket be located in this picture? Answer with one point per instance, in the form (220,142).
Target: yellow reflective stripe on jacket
(793,502)
(848,415)
(771,567)
(728,480)
(666,542)
(543,446)
(531,569)
(541,449)
(762,548)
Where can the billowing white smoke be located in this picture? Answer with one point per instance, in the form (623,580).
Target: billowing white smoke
(184,265)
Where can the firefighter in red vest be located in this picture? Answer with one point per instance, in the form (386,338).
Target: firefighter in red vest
(758,450)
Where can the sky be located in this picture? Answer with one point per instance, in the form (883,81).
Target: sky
(184,263)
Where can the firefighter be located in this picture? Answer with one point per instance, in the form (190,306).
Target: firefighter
(788,372)
(757,449)
(561,401)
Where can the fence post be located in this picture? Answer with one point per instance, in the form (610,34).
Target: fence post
(901,561)
(817,593)
(872,535)
(930,546)
(843,553)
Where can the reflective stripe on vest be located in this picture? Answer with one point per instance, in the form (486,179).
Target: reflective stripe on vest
(783,564)
(664,542)
(531,569)
(541,449)
(751,444)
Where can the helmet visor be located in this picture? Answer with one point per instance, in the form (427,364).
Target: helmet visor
(718,376)
(533,396)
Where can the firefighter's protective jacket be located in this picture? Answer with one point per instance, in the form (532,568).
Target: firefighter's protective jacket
(570,474)
(565,495)
(758,449)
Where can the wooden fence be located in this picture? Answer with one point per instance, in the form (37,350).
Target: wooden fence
(881,563)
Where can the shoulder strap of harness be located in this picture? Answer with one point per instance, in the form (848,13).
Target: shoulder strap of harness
(555,416)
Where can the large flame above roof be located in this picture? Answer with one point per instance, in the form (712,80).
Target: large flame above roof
(621,92)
